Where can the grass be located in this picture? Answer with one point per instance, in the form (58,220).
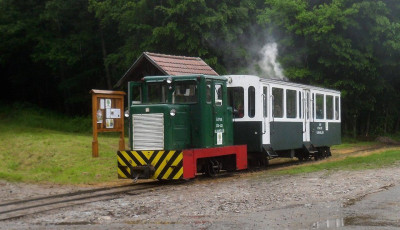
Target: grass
(35,147)
(377,160)
(41,146)
(346,145)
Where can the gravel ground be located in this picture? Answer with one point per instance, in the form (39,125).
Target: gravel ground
(240,201)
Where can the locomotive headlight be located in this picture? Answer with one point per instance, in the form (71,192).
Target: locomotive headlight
(169,80)
(126,114)
(172,112)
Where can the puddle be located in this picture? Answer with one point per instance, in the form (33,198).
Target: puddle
(75,223)
(353,221)
(367,220)
(332,223)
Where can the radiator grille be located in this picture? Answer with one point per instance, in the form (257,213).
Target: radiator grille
(148,131)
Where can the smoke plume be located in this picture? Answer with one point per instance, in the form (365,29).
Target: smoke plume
(268,64)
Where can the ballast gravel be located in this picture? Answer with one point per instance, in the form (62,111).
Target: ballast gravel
(254,200)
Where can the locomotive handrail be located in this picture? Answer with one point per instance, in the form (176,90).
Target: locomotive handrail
(265,125)
(273,103)
(305,114)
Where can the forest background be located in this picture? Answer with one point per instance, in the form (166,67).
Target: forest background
(52,52)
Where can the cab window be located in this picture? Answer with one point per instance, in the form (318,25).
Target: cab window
(218,94)
(157,92)
(185,92)
(136,94)
(208,92)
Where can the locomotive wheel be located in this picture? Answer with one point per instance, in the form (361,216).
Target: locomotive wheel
(212,168)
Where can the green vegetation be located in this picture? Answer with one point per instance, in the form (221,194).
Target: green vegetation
(377,160)
(354,144)
(23,115)
(52,52)
(38,147)
(42,146)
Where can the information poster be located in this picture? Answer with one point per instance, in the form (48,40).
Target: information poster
(115,113)
(99,116)
(108,103)
(109,123)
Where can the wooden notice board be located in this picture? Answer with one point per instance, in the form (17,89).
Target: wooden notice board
(107,116)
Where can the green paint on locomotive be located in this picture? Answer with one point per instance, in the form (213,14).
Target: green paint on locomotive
(201,117)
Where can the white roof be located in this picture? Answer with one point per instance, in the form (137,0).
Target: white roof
(281,82)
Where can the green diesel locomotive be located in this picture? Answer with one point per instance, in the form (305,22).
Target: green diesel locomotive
(183,125)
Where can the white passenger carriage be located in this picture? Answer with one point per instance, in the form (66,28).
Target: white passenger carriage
(283,119)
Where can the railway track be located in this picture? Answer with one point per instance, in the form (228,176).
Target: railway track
(20,208)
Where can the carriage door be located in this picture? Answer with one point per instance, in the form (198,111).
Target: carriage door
(266,114)
(218,117)
(307,115)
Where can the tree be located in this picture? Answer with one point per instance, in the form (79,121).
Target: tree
(341,44)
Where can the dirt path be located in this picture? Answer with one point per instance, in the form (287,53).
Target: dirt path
(242,201)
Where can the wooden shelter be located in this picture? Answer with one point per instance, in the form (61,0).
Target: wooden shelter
(153,64)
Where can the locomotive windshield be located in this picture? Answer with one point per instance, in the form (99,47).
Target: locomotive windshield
(158,93)
(185,92)
(179,92)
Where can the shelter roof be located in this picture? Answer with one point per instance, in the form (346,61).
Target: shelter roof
(166,65)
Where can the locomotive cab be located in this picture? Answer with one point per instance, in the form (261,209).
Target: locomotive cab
(179,113)
(178,126)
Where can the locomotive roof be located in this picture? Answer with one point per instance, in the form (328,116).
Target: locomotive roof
(287,83)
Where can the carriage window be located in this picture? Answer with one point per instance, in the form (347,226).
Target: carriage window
(300,106)
(208,92)
(236,101)
(157,93)
(337,112)
(218,94)
(265,99)
(252,101)
(329,107)
(278,102)
(319,106)
(291,103)
(185,92)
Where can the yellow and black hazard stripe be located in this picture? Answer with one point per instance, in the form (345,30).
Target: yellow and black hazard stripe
(168,165)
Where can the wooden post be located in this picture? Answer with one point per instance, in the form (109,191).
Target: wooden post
(95,142)
(107,116)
